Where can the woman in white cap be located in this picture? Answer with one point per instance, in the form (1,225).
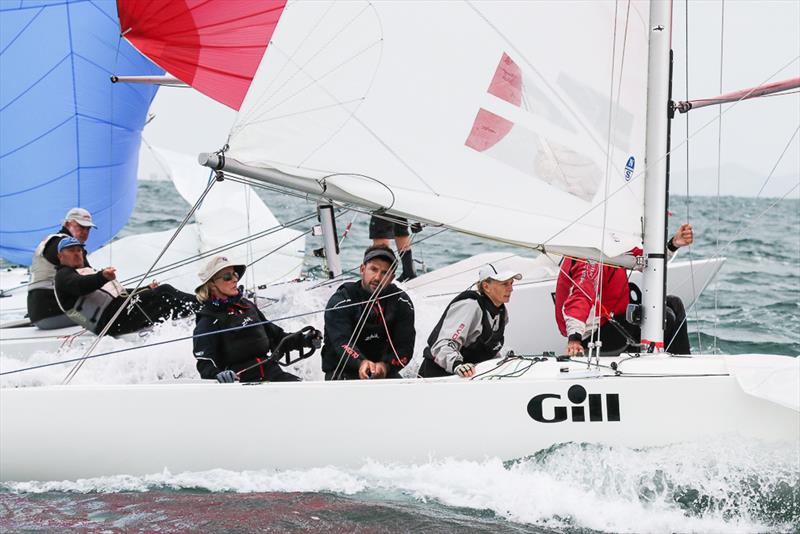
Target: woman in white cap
(230,350)
(471,328)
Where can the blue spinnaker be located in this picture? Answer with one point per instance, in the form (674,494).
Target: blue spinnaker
(68,137)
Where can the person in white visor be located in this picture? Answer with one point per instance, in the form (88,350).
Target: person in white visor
(472,326)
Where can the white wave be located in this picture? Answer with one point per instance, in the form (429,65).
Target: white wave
(569,486)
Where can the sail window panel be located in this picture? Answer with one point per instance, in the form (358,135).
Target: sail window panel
(519,87)
(595,107)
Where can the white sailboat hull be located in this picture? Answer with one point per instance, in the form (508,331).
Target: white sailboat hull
(69,432)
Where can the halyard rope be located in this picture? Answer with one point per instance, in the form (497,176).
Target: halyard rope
(110,323)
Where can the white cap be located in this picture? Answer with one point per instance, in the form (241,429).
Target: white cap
(80,216)
(488,272)
(214,266)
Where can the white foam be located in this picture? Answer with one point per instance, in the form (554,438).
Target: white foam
(577,486)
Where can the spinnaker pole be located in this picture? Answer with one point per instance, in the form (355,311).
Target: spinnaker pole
(656,164)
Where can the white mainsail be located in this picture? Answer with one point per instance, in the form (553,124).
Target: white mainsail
(476,116)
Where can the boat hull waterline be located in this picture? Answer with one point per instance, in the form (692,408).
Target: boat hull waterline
(71,432)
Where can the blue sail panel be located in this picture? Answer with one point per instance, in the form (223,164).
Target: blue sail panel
(68,137)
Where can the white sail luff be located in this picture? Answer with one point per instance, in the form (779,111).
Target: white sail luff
(656,175)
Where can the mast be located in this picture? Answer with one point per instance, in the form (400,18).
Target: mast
(656,154)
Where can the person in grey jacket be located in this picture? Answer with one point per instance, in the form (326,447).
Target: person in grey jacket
(471,329)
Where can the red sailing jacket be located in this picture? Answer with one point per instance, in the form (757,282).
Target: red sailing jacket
(576,301)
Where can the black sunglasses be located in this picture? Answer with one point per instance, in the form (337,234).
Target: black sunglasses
(227,277)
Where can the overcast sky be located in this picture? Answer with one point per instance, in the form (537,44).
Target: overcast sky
(761,43)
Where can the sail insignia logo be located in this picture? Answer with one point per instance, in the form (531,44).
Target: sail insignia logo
(629,168)
(576,413)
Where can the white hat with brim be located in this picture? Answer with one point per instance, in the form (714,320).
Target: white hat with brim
(80,216)
(489,272)
(214,266)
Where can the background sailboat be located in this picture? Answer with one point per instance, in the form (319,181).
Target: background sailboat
(68,137)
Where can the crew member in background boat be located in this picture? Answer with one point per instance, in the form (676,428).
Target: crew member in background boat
(369,324)
(91,298)
(232,352)
(43,310)
(383,228)
(575,295)
(471,328)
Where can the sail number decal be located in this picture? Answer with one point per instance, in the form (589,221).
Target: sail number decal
(547,408)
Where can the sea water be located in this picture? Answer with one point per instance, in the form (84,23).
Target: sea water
(719,486)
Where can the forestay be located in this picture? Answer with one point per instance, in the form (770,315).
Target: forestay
(508,120)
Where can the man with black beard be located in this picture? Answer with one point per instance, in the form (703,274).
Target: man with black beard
(369,324)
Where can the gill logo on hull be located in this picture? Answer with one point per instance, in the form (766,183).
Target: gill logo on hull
(577,414)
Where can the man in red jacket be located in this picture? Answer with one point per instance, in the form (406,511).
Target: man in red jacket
(579,312)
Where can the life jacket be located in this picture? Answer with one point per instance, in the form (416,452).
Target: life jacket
(488,343)
(43,272)
(88,309)
(615,296)
(240,348)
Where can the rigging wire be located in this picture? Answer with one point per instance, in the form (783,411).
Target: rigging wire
(719,164)
(248,191)
(111,153)
(775,167)
(227,246)
(595,314)
(110,323)
(641,174)
(261,323)
(747,227)
(688,168)
(362,321)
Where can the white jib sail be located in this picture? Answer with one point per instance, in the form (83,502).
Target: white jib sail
(518,121)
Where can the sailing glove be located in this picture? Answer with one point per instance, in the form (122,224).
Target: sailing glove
(226,377)
(463,369)
(290,342)
(312,339)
